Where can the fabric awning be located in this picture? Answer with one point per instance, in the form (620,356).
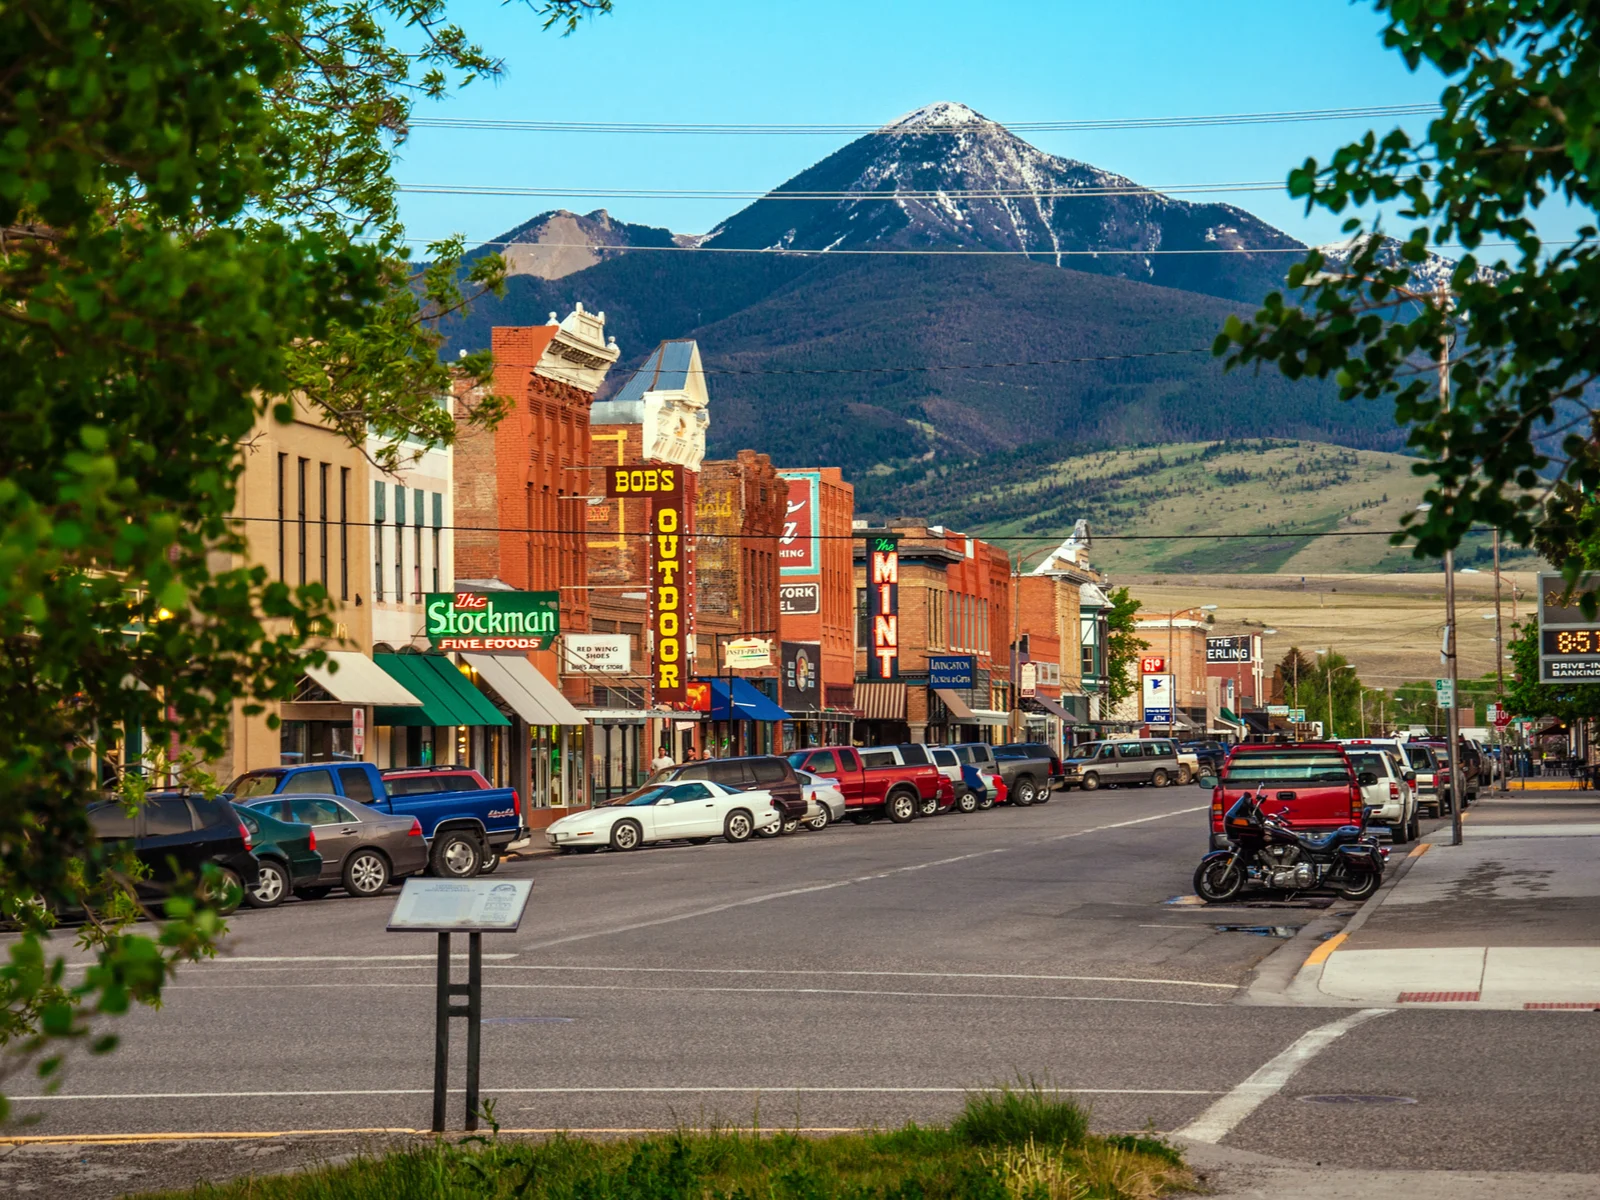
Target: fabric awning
(1227,715)
(356,679)
(957,706)
(748,703)
(447,698)
(1258,721)
(1054,709)
(882,701)
(992,717)
(531,696)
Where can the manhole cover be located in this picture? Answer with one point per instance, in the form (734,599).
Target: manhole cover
(528,1020)
(1345,1098)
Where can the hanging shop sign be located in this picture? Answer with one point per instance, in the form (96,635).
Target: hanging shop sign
(799,599)
(1157,699)
(492,622)
(744,654)
(1152,664)
(950,670)
(1569,642)
(644,481)
(799,545)
(801,680)
(670,623)
(358,731)
(697,696)
(606,653)
(1029,674)
(1230,649)
(883,607)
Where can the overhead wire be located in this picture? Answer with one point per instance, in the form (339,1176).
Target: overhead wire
(1088,192)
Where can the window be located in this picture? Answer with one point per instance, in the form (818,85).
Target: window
(862,632)
(283,512)
(825,763)
(771,770)
(110,821)
(1288,766)
(438,530)
(399,544)
(247,786)
(344,533)
(913,755)
(416,523)
(697,771)
(878,758)
(691,791)
(320,812)
(380,496)
(1376,763)
(308,781)
(731,774)
(322,479)
(300,476)
(1131,750)
(963,754)
(410,785)
(459,782)
(249,821)
(944,758)
(1086,661)
(163,818)
(354,783)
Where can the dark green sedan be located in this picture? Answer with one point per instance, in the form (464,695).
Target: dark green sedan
(287,852)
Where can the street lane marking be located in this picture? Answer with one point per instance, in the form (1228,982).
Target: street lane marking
(1222,1117)
(1177,812)
(420,959)
(1229,987)
(746,991)
(1320,954)
(134,1139)
(579,1091)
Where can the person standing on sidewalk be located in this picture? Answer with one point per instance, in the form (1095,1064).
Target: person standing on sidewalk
(662,760)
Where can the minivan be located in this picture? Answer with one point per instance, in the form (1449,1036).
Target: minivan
(1109,764)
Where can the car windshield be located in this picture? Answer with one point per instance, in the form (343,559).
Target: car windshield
(1288,766)
(247,786)
(1420,758)
(1370,761)
(1087,750)
(1010,752)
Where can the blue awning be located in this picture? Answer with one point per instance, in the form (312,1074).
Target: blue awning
(748,703)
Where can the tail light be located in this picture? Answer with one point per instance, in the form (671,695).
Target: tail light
(1216,811)
(244,832)
(1358,808)
(416,828)
(516,803)
(313,845)
(1394,790)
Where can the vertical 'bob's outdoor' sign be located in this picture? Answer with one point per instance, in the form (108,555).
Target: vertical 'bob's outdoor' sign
(883,607)
(670,622)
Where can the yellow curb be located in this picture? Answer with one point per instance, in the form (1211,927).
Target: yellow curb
(1421,850)
(130,1139)
(1544,785)
(1320,954)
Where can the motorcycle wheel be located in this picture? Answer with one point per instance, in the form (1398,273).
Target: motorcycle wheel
(1218,881)
(1359,887)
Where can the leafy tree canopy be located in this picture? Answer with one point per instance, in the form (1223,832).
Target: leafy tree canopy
(1123,645)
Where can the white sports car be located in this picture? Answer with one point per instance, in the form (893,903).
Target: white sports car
(693,810)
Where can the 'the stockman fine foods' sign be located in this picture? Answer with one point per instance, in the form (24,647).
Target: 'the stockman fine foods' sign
(492,622)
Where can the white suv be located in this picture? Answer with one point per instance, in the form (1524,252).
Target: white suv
(1394,793)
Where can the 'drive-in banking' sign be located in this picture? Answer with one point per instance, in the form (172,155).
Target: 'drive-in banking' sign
(493,622)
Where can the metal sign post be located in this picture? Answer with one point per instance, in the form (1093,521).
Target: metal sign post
(473,907)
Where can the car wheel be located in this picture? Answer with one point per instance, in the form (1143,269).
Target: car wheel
(626,835)
(272,885)
(861,818)
(901,807)
(1091,782)
(225,893)
(985,802)
(312,893)
(1400,834)
(366,873)
(1158,779)
(771,831)
(1184,774)
(820,821)
(1023,791)
(738,826)
(967,802)
(491,863)
(1414,829)
(455,855)
(791,825)
(697,841)
(928,806)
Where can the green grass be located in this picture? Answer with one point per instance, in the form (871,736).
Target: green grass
(1024,1143)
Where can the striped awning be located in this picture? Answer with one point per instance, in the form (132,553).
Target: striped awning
(882,701)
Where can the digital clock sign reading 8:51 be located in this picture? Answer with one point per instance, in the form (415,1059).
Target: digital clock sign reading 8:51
(1569,640)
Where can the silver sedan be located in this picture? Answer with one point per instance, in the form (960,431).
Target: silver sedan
(824,800)
(363,850)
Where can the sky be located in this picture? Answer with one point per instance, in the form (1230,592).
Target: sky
(869,61)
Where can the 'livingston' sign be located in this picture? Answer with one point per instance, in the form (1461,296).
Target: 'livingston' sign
(493,622)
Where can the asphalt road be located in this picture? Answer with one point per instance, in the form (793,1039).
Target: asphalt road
(857,976)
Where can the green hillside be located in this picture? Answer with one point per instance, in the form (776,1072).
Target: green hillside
(1155,494)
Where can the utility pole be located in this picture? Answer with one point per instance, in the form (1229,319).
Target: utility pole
(1453,731)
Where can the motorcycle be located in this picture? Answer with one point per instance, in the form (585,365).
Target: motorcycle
(1264,852)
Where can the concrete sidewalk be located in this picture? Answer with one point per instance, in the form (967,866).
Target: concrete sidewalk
(1510,919)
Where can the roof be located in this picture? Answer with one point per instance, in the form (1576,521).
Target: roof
(667,369)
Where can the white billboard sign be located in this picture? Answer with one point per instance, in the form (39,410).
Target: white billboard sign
(605,653)
(1157,699)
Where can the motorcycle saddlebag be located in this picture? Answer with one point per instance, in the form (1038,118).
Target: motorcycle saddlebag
(1360,857)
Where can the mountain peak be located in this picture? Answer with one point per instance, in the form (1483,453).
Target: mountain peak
(937,117)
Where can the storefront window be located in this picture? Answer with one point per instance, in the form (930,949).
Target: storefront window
(314,741)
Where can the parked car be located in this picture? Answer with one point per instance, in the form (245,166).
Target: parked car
(824,800)
(1129,763)
(465,822)
(1310,786)
(286,857)
(1391,791)
(1471,759)
(1209,754)
(975,787)
(666,810)
(178,835)
(979,770)
(1433,780)
(879,779)
(759,772)
(1027,768)
(1054,777)
(363,849)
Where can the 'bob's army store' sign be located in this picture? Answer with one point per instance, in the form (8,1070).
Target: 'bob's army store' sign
(492,622)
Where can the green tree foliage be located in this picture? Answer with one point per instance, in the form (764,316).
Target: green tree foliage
(1527,697)
(194,220)
(1123,646)
(1305,682)
(1517,129)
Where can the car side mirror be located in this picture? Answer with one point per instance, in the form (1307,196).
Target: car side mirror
(664,801)
(1208,781)
(1367,778)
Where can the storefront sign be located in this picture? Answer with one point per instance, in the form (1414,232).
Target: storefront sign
(799,546)
(1157,699)
(1569,642)
(1230,649)
(1152,665)
(358,731)
(802,676)
(607,653)
(950,670)
(743,654)
(1277,710)
(492,622)
(644,481)
(669,609)
(798,599)
(883,607)
(1029,673)
(697,696)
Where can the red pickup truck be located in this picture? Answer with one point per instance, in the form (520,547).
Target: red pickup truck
(898,782)
(1311,785)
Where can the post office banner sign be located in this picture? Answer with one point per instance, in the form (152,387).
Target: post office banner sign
(492,622)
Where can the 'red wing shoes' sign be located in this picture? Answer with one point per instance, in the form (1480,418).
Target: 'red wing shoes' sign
(492,622)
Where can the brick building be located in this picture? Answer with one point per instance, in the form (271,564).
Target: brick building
(816,602)
(1050,632)
(1177,647)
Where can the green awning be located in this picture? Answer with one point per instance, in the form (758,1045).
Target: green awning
(1228,716)
(447,698)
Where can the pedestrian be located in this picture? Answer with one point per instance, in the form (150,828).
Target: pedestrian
(663,760)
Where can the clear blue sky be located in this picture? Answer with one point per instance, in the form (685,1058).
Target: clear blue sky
(861,61)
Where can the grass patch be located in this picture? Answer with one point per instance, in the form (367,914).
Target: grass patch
(1023,1143)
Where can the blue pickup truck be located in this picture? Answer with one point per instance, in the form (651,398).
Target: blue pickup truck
(466,822)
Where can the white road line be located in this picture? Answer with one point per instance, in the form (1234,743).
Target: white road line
(584,1091)
(747,991)
(420,959)
(1222,1117)
(1177,812)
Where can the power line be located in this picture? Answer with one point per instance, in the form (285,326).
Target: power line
(1097,191)
(915,130)
(1037,362)
(797,253)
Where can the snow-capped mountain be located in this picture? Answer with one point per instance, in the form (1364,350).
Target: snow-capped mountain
(1431,275)
(947,177)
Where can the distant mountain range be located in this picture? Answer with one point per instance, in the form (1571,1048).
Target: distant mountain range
(923,373)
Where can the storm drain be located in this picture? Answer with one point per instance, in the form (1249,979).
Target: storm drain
(1273,931)
(529,1020)
(1436,997)
(1352,1098)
